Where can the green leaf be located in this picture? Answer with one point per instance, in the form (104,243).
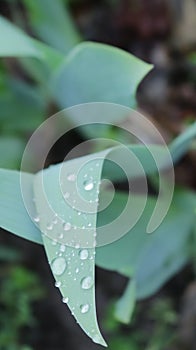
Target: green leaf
(125,305)
(182,143)
(11,152)
(16,43)
(66,197)
(14,217)
(13,42)
(52,23)
(151,259)
(22,107)
(90,73)
(68,224)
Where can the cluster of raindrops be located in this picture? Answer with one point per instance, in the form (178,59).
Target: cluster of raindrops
(60,266)
(89,184)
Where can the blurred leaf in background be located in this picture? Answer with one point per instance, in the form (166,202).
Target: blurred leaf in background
(20,287)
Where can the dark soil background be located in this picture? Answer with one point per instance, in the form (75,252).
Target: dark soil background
(163,33)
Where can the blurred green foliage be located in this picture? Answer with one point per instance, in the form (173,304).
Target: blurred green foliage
(160,321)
(20,288)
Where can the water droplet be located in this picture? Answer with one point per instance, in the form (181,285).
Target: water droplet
(66,195)
(87,282)
(77,270)
(79,213)
(71,177)
(89,225)
(65,300)
(84,308)
(83,254)
(49,226)
(57,284)
(96,339)
(61,235)
(55,220)
(67,226)
(58,266)
(62,248)
(54,242)
(77,246)
(88,185)
(36,219)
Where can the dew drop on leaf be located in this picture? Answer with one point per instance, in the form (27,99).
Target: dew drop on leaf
(83,254)
(58,266)
(84,308)
(71,177)
(62,248)
(87,282)
(49,226)
(66,195)
(57,284)
(65,300)
(67,226)
(96,339)
(88,185)
(36,219)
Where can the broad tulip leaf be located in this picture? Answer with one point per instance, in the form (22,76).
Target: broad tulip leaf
(182,143)
(52,23)
(14,216)
(150,259)
(125,305)
(16,43)
(68,224)
(90,73)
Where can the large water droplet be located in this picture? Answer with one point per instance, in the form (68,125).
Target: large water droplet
(58,266)
(84,308)
(83,254)
(88,185)
(67,226)
(87,282)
